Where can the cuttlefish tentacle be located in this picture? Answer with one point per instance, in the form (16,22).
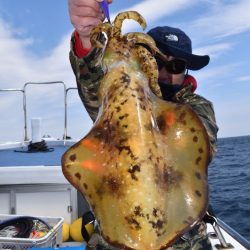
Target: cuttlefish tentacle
(145,39)
(95,34)
(143,165)
(117,24)
(147,60)
(149,67)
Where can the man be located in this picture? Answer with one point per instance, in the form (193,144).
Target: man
(175,84)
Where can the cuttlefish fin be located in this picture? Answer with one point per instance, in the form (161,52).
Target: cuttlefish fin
(185,170)
(80,163)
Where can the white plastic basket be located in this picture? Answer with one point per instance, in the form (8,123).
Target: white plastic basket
(51,239)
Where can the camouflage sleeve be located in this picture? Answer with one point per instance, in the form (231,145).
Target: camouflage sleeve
(205,111)
(88,73)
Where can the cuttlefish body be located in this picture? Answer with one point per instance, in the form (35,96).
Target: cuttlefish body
(143,165)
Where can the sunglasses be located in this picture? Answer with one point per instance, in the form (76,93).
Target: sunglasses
(174,66)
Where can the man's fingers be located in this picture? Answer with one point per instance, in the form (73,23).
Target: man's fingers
(88,21)
(81,3)
(99,1)
(84,15)
(85,25)
(85,12)
(82,21)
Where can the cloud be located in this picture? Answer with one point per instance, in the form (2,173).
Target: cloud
(18,66)
(214,50)
(160,9)
(215,72)
(244,78)
(224,20)
(12,52)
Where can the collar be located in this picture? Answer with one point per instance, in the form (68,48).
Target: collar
(184,91)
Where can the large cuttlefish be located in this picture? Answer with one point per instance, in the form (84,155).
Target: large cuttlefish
(143,165)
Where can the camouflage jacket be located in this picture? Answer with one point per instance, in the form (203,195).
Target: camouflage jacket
(88,72)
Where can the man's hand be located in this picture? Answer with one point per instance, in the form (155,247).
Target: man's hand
(84,15)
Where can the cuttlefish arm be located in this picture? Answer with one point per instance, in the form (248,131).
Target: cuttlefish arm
(143,165)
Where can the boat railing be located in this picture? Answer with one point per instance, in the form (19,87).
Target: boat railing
(239,238)
(24,93)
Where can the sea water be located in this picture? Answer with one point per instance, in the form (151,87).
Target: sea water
(229,182)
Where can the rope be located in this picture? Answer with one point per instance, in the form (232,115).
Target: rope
(37,147)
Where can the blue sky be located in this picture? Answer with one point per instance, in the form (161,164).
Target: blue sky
(34,46)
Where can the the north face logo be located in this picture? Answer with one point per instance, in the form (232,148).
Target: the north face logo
(172,37)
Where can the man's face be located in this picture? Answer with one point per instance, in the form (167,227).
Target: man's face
(167,78)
